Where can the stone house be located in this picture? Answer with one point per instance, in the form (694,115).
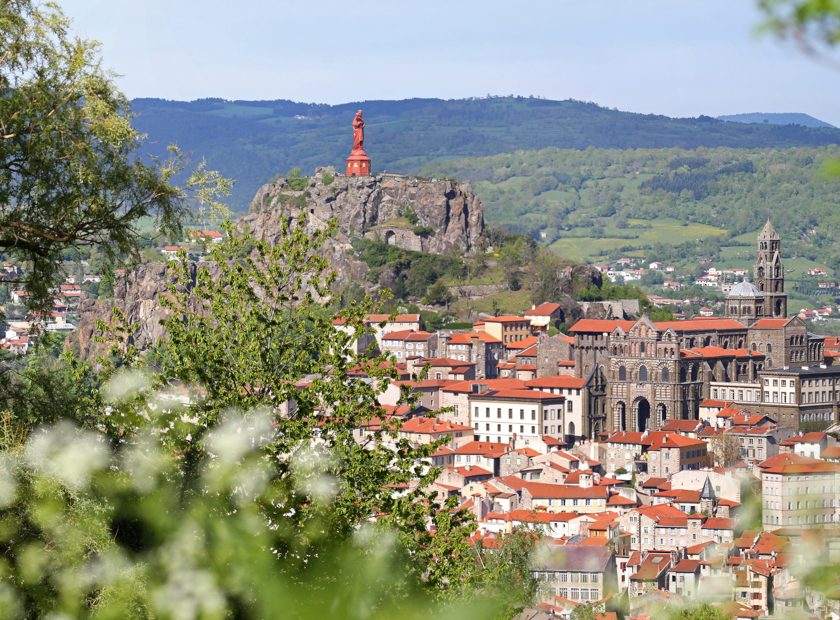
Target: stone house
(409,343)
(481,348)
(508,415)
(574,572)
(798,491)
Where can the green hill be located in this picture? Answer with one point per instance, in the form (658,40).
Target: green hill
(776,118)
(251,141)
(665,204)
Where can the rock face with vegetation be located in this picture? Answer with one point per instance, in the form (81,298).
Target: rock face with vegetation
(428,215)
(420,214)
(137,294)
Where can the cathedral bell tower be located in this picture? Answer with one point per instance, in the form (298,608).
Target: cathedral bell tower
(769,273)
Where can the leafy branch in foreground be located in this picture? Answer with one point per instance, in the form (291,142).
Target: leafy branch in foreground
(70,175)
(243,423)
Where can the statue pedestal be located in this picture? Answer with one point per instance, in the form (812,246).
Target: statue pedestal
(358,164)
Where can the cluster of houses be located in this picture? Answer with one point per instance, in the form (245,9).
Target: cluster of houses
(656,462)
(18,336)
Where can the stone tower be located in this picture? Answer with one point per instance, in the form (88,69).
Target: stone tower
(708,499)
(769,273)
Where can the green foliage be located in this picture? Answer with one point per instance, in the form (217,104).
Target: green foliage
(703,611)
(327,179)
(409,214)
(408,274)
(810,23)
(219,474)
(438,295)
(70,175)
(673,203)
(296,182)
(661,314)
(423,231)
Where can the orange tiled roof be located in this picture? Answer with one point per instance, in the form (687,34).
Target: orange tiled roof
(600,325)
(432,426)
(519,395)
(484,448)
(507,318)
(467,338)
(790,463)
(770,323)
(544,309)
(557,382)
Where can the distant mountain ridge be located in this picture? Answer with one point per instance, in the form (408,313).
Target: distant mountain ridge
(777,118)
(253,141)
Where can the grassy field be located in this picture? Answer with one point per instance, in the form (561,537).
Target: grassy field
(506,302)
(645,233)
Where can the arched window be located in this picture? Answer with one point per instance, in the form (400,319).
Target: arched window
(641,347)
(643,374)
(622,373)
(666,375)
(661,413)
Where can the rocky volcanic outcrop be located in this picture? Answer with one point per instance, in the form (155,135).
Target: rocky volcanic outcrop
(426,215)
(137,294)
(413,213)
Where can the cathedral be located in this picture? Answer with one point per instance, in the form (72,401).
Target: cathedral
(651,372)
(766,298)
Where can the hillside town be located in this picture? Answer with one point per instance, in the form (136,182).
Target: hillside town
(657,460)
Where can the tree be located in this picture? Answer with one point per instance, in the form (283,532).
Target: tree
(69,173)
(725,450)
(810,23)
(256,483)
(438,294)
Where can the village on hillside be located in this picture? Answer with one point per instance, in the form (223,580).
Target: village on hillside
(660,460)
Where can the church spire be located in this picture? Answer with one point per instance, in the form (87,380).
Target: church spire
(707,492)
(768,232)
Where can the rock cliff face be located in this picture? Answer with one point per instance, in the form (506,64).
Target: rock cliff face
(137,294)
(419,214)
(428,215)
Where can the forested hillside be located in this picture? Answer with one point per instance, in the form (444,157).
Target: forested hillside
(251,141)
(587,204)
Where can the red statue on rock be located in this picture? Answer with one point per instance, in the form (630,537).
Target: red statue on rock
(358,132)
(358,164)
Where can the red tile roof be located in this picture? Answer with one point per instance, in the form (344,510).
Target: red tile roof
(407,335)
(544,490)
(719,523)
(468,337)
(665,515)
(556,382)
(518,395)
(601,326)
(532,516)
(484,448)
(438,362)
(472,471)
(701,325)
(770,323)
(466,386)
(720,404)
(686,566)
(790,463)
(682,426)
(544,309)
(507,319)
(432,426)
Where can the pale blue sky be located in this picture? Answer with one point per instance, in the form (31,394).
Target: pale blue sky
(674,57)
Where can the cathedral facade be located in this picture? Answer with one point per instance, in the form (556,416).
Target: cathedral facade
(658,371)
